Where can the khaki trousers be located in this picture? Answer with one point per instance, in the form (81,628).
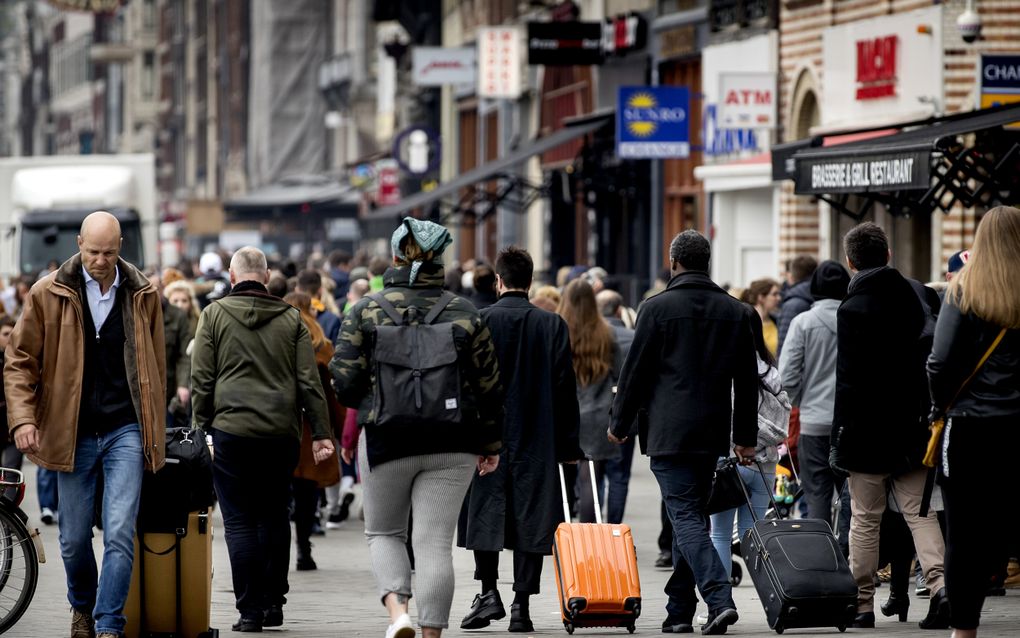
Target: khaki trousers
(868,503)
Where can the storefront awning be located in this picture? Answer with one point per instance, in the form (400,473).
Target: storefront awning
(966,158)
(305,193)
(496,168)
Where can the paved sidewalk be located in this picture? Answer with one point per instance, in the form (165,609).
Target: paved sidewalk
(339,600)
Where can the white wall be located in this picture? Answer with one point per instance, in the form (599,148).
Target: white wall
(742,248)
(919,69)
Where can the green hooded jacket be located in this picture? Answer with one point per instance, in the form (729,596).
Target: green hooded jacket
(253,370)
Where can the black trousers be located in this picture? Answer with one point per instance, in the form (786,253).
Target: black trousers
(252,477)
(306,504)
(527,569)
(979,512)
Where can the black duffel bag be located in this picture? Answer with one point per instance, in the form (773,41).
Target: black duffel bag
(183,485)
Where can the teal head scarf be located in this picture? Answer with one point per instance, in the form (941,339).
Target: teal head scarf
(429,235)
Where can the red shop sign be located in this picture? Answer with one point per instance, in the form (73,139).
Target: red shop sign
(876,67)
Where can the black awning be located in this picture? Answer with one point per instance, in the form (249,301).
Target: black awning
(926,165)
(496,167)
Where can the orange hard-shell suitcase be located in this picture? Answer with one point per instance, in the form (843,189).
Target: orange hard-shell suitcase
(596,571)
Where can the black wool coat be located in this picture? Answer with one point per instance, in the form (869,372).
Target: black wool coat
(519,505)
(878,425)
(692,344)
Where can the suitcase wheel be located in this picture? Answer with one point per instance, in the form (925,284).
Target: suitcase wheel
(841,628)
(569,627)
(736,574)
(779,629)
(631,628)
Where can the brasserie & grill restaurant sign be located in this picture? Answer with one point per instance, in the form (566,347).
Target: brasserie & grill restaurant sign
(887,172)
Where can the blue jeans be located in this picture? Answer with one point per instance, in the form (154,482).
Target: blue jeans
(618,475)
(118,456)
(686,483)
(722,523)
(46,485)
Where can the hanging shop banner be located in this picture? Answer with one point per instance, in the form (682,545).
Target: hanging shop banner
(565,43)
(886,172)
(652,122)
(747,100)
(499,62)
(999,79)
(438,66)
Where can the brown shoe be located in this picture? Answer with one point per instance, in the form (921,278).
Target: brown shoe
(82,625)
(107,634)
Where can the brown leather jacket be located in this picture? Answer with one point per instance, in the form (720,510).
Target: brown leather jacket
(45,360)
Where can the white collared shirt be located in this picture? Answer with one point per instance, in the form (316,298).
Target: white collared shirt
(100,305)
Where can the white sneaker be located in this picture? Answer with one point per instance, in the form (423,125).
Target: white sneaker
(401,628)
(48,517)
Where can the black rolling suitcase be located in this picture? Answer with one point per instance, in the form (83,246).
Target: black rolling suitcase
(799,572)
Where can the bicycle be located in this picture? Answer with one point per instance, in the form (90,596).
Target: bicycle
(21,551)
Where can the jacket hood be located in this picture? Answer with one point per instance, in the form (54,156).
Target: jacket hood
(872,279)
(801,289)
(429,276)
(252,309)
(830,281)
(825,310)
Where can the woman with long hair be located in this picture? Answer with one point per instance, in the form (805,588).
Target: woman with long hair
(974,378)
(773,424)
(763,295)
(597,367)
(309,477)
(407,460)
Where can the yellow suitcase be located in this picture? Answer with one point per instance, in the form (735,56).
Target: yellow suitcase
(171,583)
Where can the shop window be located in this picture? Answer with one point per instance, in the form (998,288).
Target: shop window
(148,75)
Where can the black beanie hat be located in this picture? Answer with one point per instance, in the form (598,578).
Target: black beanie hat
(830,281)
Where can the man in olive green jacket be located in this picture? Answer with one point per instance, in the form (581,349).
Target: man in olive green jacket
(253,371)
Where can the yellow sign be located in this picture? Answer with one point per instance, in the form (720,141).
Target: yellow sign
(989,100)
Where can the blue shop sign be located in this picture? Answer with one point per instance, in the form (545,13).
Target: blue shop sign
(1000,73)
(652,122)
(725,141)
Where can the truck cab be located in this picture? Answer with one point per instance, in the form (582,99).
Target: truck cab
(43,201)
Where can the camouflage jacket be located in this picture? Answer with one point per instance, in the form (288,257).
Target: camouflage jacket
(353,371)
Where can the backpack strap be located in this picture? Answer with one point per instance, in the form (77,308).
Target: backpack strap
(440,305)
(387,307)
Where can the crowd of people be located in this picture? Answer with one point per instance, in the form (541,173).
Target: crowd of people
(452,394)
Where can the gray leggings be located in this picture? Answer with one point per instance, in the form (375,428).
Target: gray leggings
(433,485)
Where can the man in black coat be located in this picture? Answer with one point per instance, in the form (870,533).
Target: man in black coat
(878,433)
(518,506)
(692,344)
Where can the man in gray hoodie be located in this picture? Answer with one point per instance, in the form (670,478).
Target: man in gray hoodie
(808,367)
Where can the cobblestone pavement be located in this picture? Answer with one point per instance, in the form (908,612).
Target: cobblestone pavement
(340,600)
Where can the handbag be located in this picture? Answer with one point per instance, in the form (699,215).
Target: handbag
(727,488)
(939,424)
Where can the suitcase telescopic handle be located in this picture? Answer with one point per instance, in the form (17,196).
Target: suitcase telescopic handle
(768,490)
(594,493)
(563,491)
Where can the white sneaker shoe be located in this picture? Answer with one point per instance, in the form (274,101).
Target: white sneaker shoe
(48,516)
(401,628)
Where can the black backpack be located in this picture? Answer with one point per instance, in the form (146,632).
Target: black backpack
(417,372)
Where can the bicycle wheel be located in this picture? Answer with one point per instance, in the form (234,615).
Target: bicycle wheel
(19,569)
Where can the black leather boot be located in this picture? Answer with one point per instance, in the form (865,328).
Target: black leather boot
(938,612)
(897,603)
(864,621)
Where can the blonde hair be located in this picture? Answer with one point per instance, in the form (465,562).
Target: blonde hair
(183,286)
(988,283)
(591,341)
(547,292)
